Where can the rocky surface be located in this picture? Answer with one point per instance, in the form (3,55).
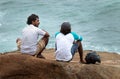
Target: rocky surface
(14,65)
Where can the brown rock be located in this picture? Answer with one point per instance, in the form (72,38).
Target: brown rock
(14,65)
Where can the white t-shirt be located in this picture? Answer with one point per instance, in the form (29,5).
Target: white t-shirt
(30,36)
(64,44)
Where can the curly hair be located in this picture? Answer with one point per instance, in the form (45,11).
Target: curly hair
(31,18)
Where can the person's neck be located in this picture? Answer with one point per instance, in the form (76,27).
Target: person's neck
(33,25)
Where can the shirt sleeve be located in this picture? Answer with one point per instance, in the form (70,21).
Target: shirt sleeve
(56,34)
(76,37)
(41,32)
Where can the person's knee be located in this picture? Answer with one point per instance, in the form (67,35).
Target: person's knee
(46,39)
(78,42)
(18,40)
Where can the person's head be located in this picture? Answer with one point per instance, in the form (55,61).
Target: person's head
(33,19)
(65,28)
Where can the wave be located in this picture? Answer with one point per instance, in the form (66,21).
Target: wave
(108,8)
(6,2)
(0,24)
(1,14)
(96,47)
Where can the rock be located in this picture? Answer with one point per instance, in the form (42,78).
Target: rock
(14,65)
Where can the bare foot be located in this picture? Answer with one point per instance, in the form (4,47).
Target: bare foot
(82,61)
(40,56)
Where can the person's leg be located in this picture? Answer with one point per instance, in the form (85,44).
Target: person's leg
(80,50)
(74,49)
(41,46)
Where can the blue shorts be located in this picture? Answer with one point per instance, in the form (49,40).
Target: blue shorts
(74,49)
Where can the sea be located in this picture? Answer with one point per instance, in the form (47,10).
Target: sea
(97,21)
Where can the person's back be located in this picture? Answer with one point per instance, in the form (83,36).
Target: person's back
(65,44)
(29,39)
(30,34)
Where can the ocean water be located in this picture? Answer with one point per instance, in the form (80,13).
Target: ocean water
(98,21)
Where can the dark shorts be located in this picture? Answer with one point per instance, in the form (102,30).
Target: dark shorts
(74,49)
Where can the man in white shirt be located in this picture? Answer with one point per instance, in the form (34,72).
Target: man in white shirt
(29,43)
(67,43)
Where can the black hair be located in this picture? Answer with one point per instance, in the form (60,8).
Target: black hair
(31,18)
(65,28)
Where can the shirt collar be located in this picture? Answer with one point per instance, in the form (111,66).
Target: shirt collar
(31,25)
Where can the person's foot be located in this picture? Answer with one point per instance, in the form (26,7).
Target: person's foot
(40,56)
(82,61)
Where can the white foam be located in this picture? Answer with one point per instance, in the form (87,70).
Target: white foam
(1,14)
(0,24)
